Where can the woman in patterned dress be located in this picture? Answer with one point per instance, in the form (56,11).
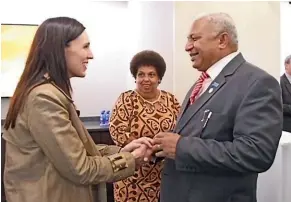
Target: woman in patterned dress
(143,112)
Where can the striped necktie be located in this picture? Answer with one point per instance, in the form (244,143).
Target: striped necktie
(198,86)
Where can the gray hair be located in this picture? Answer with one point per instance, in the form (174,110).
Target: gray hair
(222,23)
(288,59)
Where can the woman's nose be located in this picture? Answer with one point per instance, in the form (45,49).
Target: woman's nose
(146,78)
(90,55)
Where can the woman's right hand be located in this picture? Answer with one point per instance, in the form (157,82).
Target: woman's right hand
(140,155)
(135,144)
(141,149)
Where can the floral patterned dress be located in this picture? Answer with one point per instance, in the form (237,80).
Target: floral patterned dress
(134,117)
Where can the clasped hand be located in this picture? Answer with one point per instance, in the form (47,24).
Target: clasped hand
(141,149)
(162,145)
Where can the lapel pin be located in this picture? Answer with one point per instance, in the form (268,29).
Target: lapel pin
(210,90)
(215,84)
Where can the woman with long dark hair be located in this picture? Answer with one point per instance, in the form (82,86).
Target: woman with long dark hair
(49,154)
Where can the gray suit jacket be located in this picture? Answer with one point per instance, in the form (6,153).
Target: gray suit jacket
(219,161)
(286,95)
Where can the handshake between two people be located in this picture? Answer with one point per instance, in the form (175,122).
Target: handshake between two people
(144,149)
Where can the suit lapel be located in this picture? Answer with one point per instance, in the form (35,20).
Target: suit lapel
(188,112)
(193,109)
(287,84)
(82,132)
(185,103)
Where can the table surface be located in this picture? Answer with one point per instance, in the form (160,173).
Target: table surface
(94,126)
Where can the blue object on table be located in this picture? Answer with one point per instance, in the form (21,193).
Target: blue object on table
(102,118)
(107,118)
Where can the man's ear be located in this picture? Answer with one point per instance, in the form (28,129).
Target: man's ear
(224,40)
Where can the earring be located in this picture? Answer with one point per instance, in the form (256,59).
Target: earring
(135,81)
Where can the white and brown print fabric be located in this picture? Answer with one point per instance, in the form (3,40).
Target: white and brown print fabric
(134,117)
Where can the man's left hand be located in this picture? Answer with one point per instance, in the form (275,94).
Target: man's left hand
(165,144)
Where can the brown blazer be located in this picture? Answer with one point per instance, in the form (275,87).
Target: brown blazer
(50,156)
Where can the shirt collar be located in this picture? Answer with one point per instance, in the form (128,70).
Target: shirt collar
(217,67)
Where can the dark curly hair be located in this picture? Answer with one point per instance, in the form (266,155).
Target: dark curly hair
(148,58)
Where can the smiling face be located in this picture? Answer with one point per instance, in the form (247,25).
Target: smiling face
(205,45)
(77,55)
(147,79)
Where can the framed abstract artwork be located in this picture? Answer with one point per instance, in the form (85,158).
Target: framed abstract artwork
(16,40)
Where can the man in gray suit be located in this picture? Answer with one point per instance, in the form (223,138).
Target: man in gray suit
(285,83)
(230,123)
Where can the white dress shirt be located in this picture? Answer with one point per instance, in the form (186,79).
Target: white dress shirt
(214,70)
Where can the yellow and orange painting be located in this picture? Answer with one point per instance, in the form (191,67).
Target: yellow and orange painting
(15,44)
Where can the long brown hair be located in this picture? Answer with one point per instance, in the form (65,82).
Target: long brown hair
(46,56)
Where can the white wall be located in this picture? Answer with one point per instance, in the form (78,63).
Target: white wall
(258,25)
(107,27)
(117,31)
(154,29)
(106,75)
(149,25)
(285,29)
